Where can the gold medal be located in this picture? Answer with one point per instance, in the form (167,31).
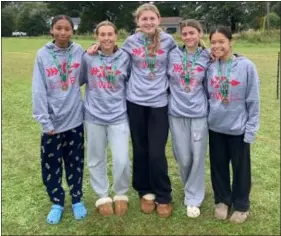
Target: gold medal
(64,87)
(151,75)
(187,89)
(225,101)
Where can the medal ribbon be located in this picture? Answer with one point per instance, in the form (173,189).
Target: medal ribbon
(224,85)
(149,60)
(69,59)
(187,72)
(110,77)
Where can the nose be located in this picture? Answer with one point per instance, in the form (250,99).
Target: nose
(63,32)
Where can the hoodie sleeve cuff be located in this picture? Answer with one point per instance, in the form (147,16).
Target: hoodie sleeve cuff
(249,137)
(48,127)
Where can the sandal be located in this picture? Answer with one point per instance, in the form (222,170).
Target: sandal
(79,210)
(55,214)
(193,211)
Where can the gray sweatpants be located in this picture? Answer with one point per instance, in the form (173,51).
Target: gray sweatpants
(189,139)
(98,137)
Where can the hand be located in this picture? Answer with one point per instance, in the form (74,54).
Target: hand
(212,56)
(53,132)
(93,49)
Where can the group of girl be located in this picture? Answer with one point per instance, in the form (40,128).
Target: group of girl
(141,90)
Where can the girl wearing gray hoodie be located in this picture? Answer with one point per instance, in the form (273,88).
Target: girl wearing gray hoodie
(58,107)
(188,109)
(234,113)
(105,74)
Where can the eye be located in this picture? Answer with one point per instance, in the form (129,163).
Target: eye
(110,34)
(184,34)
(152,18)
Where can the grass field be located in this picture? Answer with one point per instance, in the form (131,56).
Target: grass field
(25,203)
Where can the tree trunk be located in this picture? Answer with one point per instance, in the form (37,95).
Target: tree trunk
(233,24)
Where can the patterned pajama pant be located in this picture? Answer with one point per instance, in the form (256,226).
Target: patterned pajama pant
(63,148)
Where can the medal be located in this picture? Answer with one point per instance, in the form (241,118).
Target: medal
(225,101)
(187,72)
(152,75)
(150,60)
(224,84)
(110,74)
(187,89)
(64,87)
(63,75)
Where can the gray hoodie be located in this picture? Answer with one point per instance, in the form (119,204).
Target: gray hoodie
(54,108)
(191,104)
(105,103)
(242,114)
(142,89)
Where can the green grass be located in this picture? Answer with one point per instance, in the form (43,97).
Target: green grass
(25,203)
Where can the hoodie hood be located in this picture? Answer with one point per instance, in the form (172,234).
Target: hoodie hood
(236,60)
(110,58)
(58,50)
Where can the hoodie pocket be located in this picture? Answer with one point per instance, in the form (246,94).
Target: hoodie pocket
(227,119)
(106,105)
(58,108)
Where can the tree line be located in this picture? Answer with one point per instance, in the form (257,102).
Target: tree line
(34,17)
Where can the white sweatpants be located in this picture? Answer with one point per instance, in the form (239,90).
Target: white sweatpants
(98,137)
(189,140)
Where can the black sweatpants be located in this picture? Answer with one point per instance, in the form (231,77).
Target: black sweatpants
(149,132)
(223,149)
(68,148)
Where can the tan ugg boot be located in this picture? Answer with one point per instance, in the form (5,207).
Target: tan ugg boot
(147,203)
(164,210)
(104,206)
(120,204)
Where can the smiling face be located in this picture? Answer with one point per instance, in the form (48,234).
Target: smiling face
(190,36)
(107,37)
(62,31)
(220,45)
(148,21)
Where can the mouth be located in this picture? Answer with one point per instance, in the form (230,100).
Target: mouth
(148,28)
(107,44)
(217,51)
(189,42)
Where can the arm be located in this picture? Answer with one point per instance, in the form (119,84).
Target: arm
(39,97)
(83,71)
(205,84)
(173,44)
(252,104)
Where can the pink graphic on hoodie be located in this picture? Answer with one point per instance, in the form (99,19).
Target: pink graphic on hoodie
(178,68)
(215,83)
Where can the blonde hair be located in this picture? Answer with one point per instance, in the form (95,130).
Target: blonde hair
(154,47)
(195,24)
(105,23)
